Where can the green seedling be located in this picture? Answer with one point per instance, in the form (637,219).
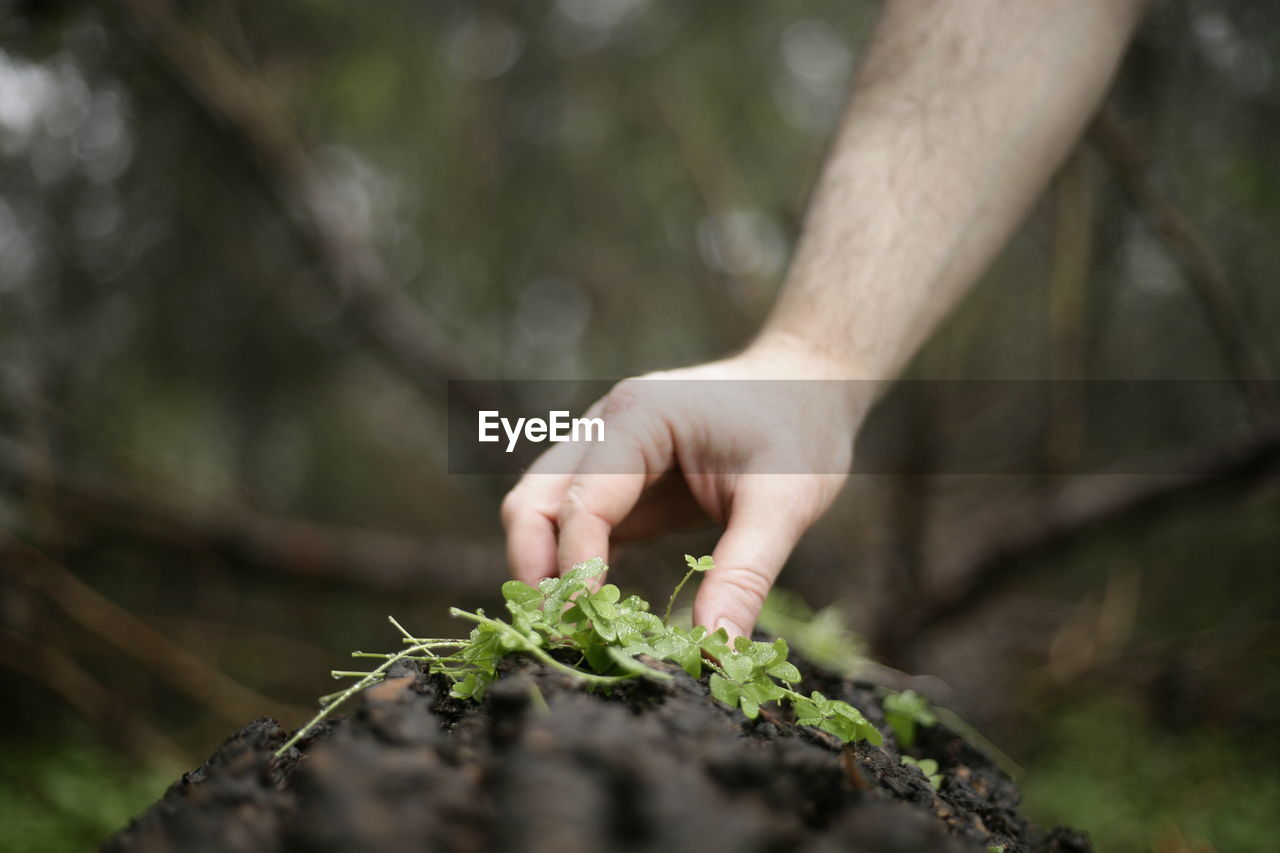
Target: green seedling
(696,565)
(928,767)
(821,636)
(905,711)
(614,639)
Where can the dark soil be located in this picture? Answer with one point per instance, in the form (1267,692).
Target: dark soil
(650,767)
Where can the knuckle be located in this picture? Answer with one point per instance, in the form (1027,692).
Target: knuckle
(747,585)
(628,396)
(512,504)
(577,500)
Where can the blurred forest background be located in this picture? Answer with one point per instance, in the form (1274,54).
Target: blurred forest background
(243,245)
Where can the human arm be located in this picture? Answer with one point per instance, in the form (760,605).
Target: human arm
(960,113)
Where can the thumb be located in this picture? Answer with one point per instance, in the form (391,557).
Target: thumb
(765,522)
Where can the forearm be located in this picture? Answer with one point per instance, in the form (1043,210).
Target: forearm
(960,114)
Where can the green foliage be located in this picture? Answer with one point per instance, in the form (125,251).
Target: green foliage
(928,767)
(822,636)
(615,638)
(59,797)
(1100,763)
(839,718)
(905,711)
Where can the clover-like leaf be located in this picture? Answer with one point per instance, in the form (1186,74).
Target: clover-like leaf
(558,591)
(483,649)
(633,624)
(724,690)
(926,766)
(594,649)
(738,666)
(572,616)
(470,687)
(807,712)
(863,729)
(822,703)
(785,671)
(604,610)
(666,644)
(761,693)
(842,728)
(519,594)
(869,733)
(675,645)
(585,571)
(601,608)
(640,648)
(905,711)
(716,644)
(844,709)
(765,655)
(549,586)
(689,659)
(699,564)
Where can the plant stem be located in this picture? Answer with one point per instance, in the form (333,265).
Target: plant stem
(431,659)
(791,694)
(537,651)
(666,619)
(368,681)
(717,668)
(433,641)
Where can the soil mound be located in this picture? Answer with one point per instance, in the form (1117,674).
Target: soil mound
(542,765)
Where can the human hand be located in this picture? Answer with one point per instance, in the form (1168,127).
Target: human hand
(764,460)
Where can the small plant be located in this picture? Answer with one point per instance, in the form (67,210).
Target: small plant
(928,767)
(821,636)
(905,711)
(611,637)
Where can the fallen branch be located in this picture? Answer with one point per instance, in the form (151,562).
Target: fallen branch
(1010,546)
(367,558)
(392,325)
(184,670)
(60,673)
(1205,272)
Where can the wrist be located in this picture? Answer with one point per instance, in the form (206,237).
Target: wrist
(780,354)
(795,356)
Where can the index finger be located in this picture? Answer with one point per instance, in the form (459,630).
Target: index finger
(530,512)
(607,486)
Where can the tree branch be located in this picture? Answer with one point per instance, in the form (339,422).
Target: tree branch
(184,670)
(363,557)
(63,675)
(393,326)
(1245,355)
(982,562)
